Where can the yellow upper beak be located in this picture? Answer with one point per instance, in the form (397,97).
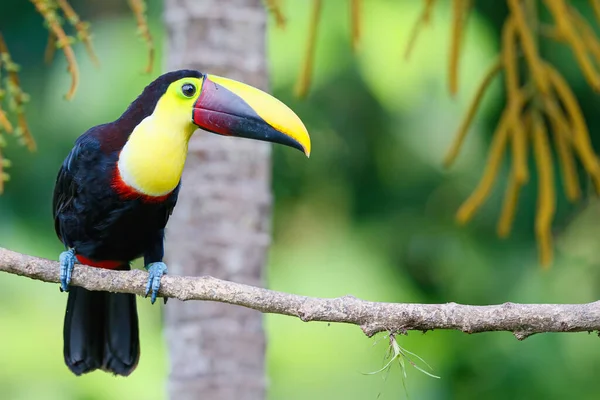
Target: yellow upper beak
(232,108)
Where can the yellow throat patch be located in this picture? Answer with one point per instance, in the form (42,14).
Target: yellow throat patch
(152,160)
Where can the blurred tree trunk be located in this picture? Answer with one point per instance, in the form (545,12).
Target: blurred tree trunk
(221,225)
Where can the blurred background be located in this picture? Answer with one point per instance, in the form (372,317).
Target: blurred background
(370,214)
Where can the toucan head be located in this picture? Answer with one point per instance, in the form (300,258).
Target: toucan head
(228,107)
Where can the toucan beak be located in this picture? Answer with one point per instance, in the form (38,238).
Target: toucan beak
(232,108)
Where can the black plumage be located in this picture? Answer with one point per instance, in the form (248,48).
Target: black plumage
(99,224)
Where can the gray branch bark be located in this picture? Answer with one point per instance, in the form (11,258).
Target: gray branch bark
(522,320)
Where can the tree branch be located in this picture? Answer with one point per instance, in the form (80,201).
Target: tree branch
(522,320)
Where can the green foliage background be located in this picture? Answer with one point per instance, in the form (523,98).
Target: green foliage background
(370,214)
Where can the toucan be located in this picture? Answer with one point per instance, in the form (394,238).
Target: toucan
(118,186)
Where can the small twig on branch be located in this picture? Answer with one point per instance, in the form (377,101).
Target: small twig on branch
(522,320)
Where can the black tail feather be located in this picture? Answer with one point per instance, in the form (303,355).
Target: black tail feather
(121,340)
(101,332)
(83,330)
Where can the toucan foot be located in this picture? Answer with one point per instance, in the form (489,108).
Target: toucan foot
(156,271)
(67,263)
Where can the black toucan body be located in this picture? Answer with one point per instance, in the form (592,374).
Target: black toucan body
(118,186)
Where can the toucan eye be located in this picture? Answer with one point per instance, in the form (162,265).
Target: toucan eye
(188,89)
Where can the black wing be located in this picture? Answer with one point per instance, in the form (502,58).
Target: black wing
(170,203)
(66,187)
